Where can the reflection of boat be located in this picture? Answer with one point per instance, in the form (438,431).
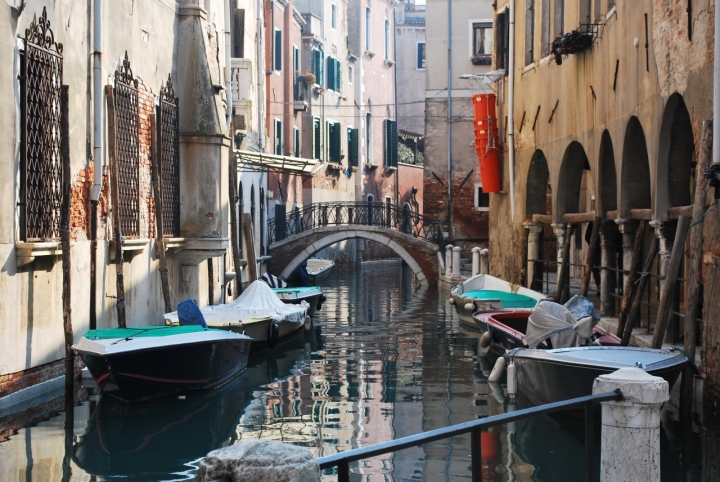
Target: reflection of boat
(546,376)
(312,295)
(318,268)
(508,328)
(153,441)
(488,293)
(258,313)
(153,361)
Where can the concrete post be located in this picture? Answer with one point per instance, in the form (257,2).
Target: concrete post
(560,230)
(533,250)
(475,261)
(448,260)
(627,228)
(608,262)
(484,261)
(260,460)
(630,446)
(456,261)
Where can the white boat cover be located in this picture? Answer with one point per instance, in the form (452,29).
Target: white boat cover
(554,321)
(257,301)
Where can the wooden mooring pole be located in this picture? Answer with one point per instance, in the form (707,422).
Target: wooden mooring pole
(630,282)
(115,193)
(234,232)
(155,133)
(668,287)
(594,240)
(249,237)
(634,312)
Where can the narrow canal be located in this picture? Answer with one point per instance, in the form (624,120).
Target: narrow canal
(385,359)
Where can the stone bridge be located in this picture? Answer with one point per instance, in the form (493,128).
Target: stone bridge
(419,254)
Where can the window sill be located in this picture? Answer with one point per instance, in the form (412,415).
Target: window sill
(335,166)
(482,210)
(610,14)
(389,62)
(391,168)
(25,253)
(528,68)
(369,166)
(131,245)
(370,53)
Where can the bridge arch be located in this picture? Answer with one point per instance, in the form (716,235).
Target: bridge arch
(418,254)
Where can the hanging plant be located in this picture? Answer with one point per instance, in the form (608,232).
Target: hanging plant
(309,78)
(571,43)
(481,59)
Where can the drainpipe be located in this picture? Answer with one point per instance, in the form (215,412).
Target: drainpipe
(228,70)
(449,121)
(511,108)
(397,171)
(97,154)
(260,68)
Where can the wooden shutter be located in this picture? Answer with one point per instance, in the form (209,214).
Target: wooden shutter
(353,146)
(278,49)
(391,147)
(338,75)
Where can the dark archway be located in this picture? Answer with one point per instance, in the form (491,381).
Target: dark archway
(635,181)
(537,185)
(570,182)
(608,176)
(676,156)
(241,210)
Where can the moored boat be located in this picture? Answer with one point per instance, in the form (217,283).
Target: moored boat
(318,268)
(312,295)
(488,293)
(546,376)
(153,361)
(258,313)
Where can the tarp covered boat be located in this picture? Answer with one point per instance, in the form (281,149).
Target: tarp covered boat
(318,268)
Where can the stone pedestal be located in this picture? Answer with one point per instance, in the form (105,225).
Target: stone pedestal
(448,260)
(560,231)
(475,261)
(533,250)
(456,261)
(260,461)
(630,447)
(484,261)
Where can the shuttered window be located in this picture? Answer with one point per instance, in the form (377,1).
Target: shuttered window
(334,74)
(316,137)
(278,49)
(353,146)
(334,139)
(391,145)
(318,64)
(278,138)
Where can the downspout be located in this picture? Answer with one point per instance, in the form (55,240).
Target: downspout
(449,122)
(511,108)
(397,171)
(260,67)
(97,154)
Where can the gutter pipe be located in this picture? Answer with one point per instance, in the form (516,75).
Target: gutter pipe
(449,121)
(511,108)
(97,102)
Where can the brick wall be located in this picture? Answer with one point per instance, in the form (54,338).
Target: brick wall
(467,221)
(147,203)
(80,203)
(13,382)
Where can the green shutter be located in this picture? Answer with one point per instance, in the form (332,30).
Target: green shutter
(316,137)
(335,141)
(353,146)
(391,146)
(338,75)
(278,50)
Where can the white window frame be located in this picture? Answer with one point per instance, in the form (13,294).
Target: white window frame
(471,44)
(275,51)
(477,198)
(333,16)
(417,48)
(368,29)
(351,72)
(386,34)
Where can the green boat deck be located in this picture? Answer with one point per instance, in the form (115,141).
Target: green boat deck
(508,300)
(300,289)
(142,332)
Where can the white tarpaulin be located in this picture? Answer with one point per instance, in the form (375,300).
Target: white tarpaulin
(554,321)
(257,301)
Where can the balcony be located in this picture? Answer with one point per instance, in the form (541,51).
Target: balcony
(243,91)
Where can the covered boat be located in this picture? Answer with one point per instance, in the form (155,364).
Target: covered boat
(153,361)
(318,268)
(488,293)
(546,376)
(312,295)
(258,313)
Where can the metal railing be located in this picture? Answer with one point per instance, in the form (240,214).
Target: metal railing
(385,215)
(342,460)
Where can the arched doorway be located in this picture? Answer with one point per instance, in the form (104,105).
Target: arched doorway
(676,157)
(635,174)
(542,246)
(610,237)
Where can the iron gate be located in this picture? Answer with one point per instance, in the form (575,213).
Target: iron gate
(169,152)
(41,191)
(127,149)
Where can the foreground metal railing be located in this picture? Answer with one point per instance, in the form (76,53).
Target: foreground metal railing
(386,215)
(342,460)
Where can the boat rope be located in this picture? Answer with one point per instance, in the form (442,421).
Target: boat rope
(702,217)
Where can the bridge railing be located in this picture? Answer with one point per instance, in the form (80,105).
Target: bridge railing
(385,215)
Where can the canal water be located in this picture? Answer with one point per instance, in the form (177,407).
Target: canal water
(385,359)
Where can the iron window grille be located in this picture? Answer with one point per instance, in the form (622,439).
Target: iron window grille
(169,157)
(127,147)
(41,163)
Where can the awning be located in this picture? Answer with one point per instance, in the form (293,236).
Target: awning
(258,161)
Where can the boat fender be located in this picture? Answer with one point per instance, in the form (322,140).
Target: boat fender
(512,379)
(451,301)
(470,306)
(497,370)
(485,339)
(308,323)
(273,335)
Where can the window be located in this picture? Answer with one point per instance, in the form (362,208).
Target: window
(334,77)
(545,28)
(368,137)
(333,15)
(420,55)
(353,146)
(334,140)
(316,138)
(529,31)
(296,72)
(350,74)
(387,39)
(278,50)
(559,18)
(391,143)
(278,138)
(318,65)
(585,11)
(482,199)
(368,28)
(296,142)
(482,39)
(238,31)
(502,40)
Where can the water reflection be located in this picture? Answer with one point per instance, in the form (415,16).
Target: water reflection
(385,359)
